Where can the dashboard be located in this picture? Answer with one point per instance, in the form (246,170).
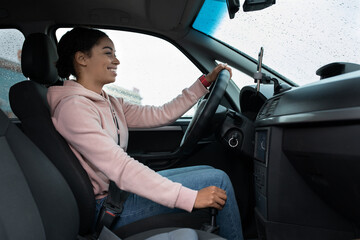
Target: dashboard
(307,161)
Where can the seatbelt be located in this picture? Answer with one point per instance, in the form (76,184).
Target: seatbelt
(114,203)
(112,207)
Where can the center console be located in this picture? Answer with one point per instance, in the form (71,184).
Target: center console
(286,208)
(307,160)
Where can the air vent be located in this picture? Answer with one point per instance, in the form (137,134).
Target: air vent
(268,109)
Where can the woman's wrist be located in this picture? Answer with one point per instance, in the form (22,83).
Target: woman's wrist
(204,81)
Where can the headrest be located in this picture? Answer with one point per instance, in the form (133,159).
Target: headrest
(38,59)
(4,123)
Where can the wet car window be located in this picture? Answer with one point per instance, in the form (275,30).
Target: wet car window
(298,37)
(11,41)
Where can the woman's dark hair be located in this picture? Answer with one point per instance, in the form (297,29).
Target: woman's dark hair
(78,39)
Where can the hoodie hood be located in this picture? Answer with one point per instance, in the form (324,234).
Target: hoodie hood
(69,89)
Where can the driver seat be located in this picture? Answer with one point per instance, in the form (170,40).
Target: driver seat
(29,102)
(37,203)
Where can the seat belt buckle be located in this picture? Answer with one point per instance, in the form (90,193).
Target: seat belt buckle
(107,212)
(107,218)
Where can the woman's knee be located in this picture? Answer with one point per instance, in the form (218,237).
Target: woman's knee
(201,167)
(219,173)
(220,177)
(184,170)
(215,175)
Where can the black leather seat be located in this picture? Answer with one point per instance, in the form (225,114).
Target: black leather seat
(36,202)
(28,101)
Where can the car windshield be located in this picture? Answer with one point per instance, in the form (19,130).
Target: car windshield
(298,37)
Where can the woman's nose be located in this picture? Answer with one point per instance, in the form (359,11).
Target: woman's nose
(116,61)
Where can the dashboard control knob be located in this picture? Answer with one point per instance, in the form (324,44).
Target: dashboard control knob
(234,141)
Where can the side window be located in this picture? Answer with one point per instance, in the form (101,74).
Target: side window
(11,41)
(151,72)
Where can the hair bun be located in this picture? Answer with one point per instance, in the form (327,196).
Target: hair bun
(78,39)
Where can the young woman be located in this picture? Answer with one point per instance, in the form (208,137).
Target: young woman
(96,124)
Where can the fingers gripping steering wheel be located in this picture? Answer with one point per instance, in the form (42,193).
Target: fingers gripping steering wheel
(204,113)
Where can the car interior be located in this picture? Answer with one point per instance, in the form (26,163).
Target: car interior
(283,126)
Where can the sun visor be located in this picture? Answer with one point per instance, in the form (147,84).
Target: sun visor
(165,14)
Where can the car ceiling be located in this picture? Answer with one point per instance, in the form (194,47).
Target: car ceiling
(160,16)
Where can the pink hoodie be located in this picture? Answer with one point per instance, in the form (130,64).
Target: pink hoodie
(84,118)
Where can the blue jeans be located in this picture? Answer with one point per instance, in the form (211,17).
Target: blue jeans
(196,178)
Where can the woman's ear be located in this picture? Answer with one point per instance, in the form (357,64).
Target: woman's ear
(80,58)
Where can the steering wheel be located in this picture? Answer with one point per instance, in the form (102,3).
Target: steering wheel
(204,113)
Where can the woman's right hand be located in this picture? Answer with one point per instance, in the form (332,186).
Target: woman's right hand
(211,76)
(210,197)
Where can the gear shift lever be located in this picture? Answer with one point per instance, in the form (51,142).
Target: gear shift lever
(212,227)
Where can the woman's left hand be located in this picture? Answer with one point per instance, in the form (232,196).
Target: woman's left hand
(211,77)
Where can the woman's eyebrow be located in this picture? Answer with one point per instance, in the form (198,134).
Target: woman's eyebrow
(108,48)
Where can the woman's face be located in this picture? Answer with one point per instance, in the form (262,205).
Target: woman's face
(102,63)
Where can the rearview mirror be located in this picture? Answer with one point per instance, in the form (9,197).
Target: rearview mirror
(232,6)
(254,5)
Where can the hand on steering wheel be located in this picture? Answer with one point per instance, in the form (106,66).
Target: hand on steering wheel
(206,109)
(212,76)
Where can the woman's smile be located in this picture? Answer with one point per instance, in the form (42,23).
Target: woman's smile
(113,70)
